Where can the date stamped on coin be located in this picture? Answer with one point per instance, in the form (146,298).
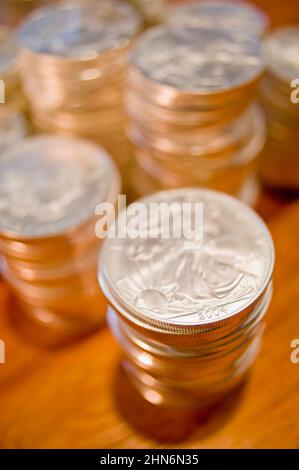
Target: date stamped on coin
(295,92)
(294,357)
(2,352)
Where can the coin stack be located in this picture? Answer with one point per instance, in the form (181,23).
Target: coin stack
(192,119)
(279,94)
(153,11)
(73,58)
(13,125)
(49,189)
(231,15)
(188,311)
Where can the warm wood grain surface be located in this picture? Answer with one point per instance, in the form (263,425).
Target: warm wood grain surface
(77,396)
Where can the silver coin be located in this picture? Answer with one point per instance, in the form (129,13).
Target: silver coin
(79,31)
(8,51)
(198,59)
(179,282)
(282,52)
(231,15)
(50,184)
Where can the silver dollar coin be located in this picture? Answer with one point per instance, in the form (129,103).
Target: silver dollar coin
(51,184)
(81,30)
(190,281)
(198,59)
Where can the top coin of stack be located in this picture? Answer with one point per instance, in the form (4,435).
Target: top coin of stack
(12,101)
(232,15)
(189,98)
(49,189)
(188,310)
(73,61)
(279,163)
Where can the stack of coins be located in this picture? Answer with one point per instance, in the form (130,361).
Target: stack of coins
(192,121)
(231,15)
(153,11)
(188,311)
(49,189)
(12,102)
(73,58)
(279,93)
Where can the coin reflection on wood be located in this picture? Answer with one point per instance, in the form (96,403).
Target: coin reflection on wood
(279,94)
(49,189)
(192,121)
(74,57)
(13,125)
(189,313)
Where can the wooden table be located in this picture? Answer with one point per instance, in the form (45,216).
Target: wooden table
(78,397)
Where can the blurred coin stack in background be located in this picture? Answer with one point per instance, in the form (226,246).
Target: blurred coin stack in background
(279,92)
(152,11)
(73,62)
(49,189)
(192,121)
(13,125)
(189,312)
(231,15)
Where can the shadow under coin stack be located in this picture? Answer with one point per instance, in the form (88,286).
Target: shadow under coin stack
(189,312)
(13,125)
(231,15)
(73,62)
(49,189)
(280,162)
(192,121)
